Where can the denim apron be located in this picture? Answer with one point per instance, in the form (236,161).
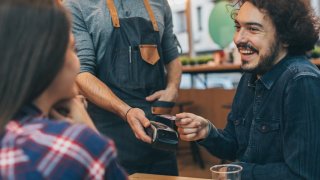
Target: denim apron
(133,69)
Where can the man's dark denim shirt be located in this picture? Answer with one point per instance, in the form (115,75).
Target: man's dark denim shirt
(273,129)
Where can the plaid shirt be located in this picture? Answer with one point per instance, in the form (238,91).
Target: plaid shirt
(35,147)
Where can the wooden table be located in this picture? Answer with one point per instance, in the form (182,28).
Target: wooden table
(139,176)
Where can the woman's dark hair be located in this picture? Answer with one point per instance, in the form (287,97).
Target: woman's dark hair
(295,22)
(34,36)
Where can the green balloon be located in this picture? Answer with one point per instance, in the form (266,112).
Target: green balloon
(221,25)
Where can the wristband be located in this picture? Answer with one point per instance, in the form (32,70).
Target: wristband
(127,113)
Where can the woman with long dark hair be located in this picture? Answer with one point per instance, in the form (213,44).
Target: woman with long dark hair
(38,67)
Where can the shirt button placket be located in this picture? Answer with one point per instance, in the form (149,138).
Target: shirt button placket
(257,98)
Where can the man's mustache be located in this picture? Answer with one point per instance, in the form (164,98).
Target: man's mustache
(246,46)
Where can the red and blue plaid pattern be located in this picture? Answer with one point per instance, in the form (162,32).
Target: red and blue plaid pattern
(40,148)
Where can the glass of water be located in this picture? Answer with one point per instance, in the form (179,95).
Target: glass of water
(226,172)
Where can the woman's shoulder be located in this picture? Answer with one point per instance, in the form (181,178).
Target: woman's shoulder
(45,131)
(48,145)
(79,133)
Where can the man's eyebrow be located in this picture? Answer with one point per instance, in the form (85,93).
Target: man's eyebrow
(248,23)
(253,24)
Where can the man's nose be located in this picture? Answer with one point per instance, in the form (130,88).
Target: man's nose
(240,36)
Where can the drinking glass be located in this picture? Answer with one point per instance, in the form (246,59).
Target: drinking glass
(226,172)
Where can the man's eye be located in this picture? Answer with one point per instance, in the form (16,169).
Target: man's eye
(253,29)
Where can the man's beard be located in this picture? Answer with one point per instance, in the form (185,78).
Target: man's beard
(266,61)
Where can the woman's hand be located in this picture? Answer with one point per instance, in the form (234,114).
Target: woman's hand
(73,111)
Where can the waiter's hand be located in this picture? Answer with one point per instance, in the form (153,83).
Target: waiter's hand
(192,127)
(138,121)
(169,94)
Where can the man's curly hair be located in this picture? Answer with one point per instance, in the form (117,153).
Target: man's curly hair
(295,22)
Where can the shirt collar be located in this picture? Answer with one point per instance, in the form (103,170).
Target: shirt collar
(270,77)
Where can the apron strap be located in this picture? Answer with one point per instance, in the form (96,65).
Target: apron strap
(114,14)
(115,18)
(151,15)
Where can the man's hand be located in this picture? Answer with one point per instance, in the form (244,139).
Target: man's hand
(174,71)
(192,127)
(138,121)
(169,94)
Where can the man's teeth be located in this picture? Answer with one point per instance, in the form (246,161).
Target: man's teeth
(246,52)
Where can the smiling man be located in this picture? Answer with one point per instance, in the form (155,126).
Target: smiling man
(257,40)
(273,129)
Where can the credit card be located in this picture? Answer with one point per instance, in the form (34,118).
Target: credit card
(169,117)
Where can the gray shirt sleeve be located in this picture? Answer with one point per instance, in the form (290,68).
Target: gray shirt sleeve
(84,44)
(170,50)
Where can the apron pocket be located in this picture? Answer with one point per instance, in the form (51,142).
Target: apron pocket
(149,53)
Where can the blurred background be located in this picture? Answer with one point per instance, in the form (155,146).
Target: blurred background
(211,70)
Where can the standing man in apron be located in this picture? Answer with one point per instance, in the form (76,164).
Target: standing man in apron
(129,61)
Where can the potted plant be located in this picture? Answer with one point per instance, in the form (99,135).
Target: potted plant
(315,53)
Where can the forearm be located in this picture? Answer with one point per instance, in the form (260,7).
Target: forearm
(100,94)
(174,71)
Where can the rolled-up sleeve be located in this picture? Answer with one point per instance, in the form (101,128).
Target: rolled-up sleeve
(84,44)
(169,45)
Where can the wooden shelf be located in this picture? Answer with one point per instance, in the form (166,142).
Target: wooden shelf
(223,68)
(211,68)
